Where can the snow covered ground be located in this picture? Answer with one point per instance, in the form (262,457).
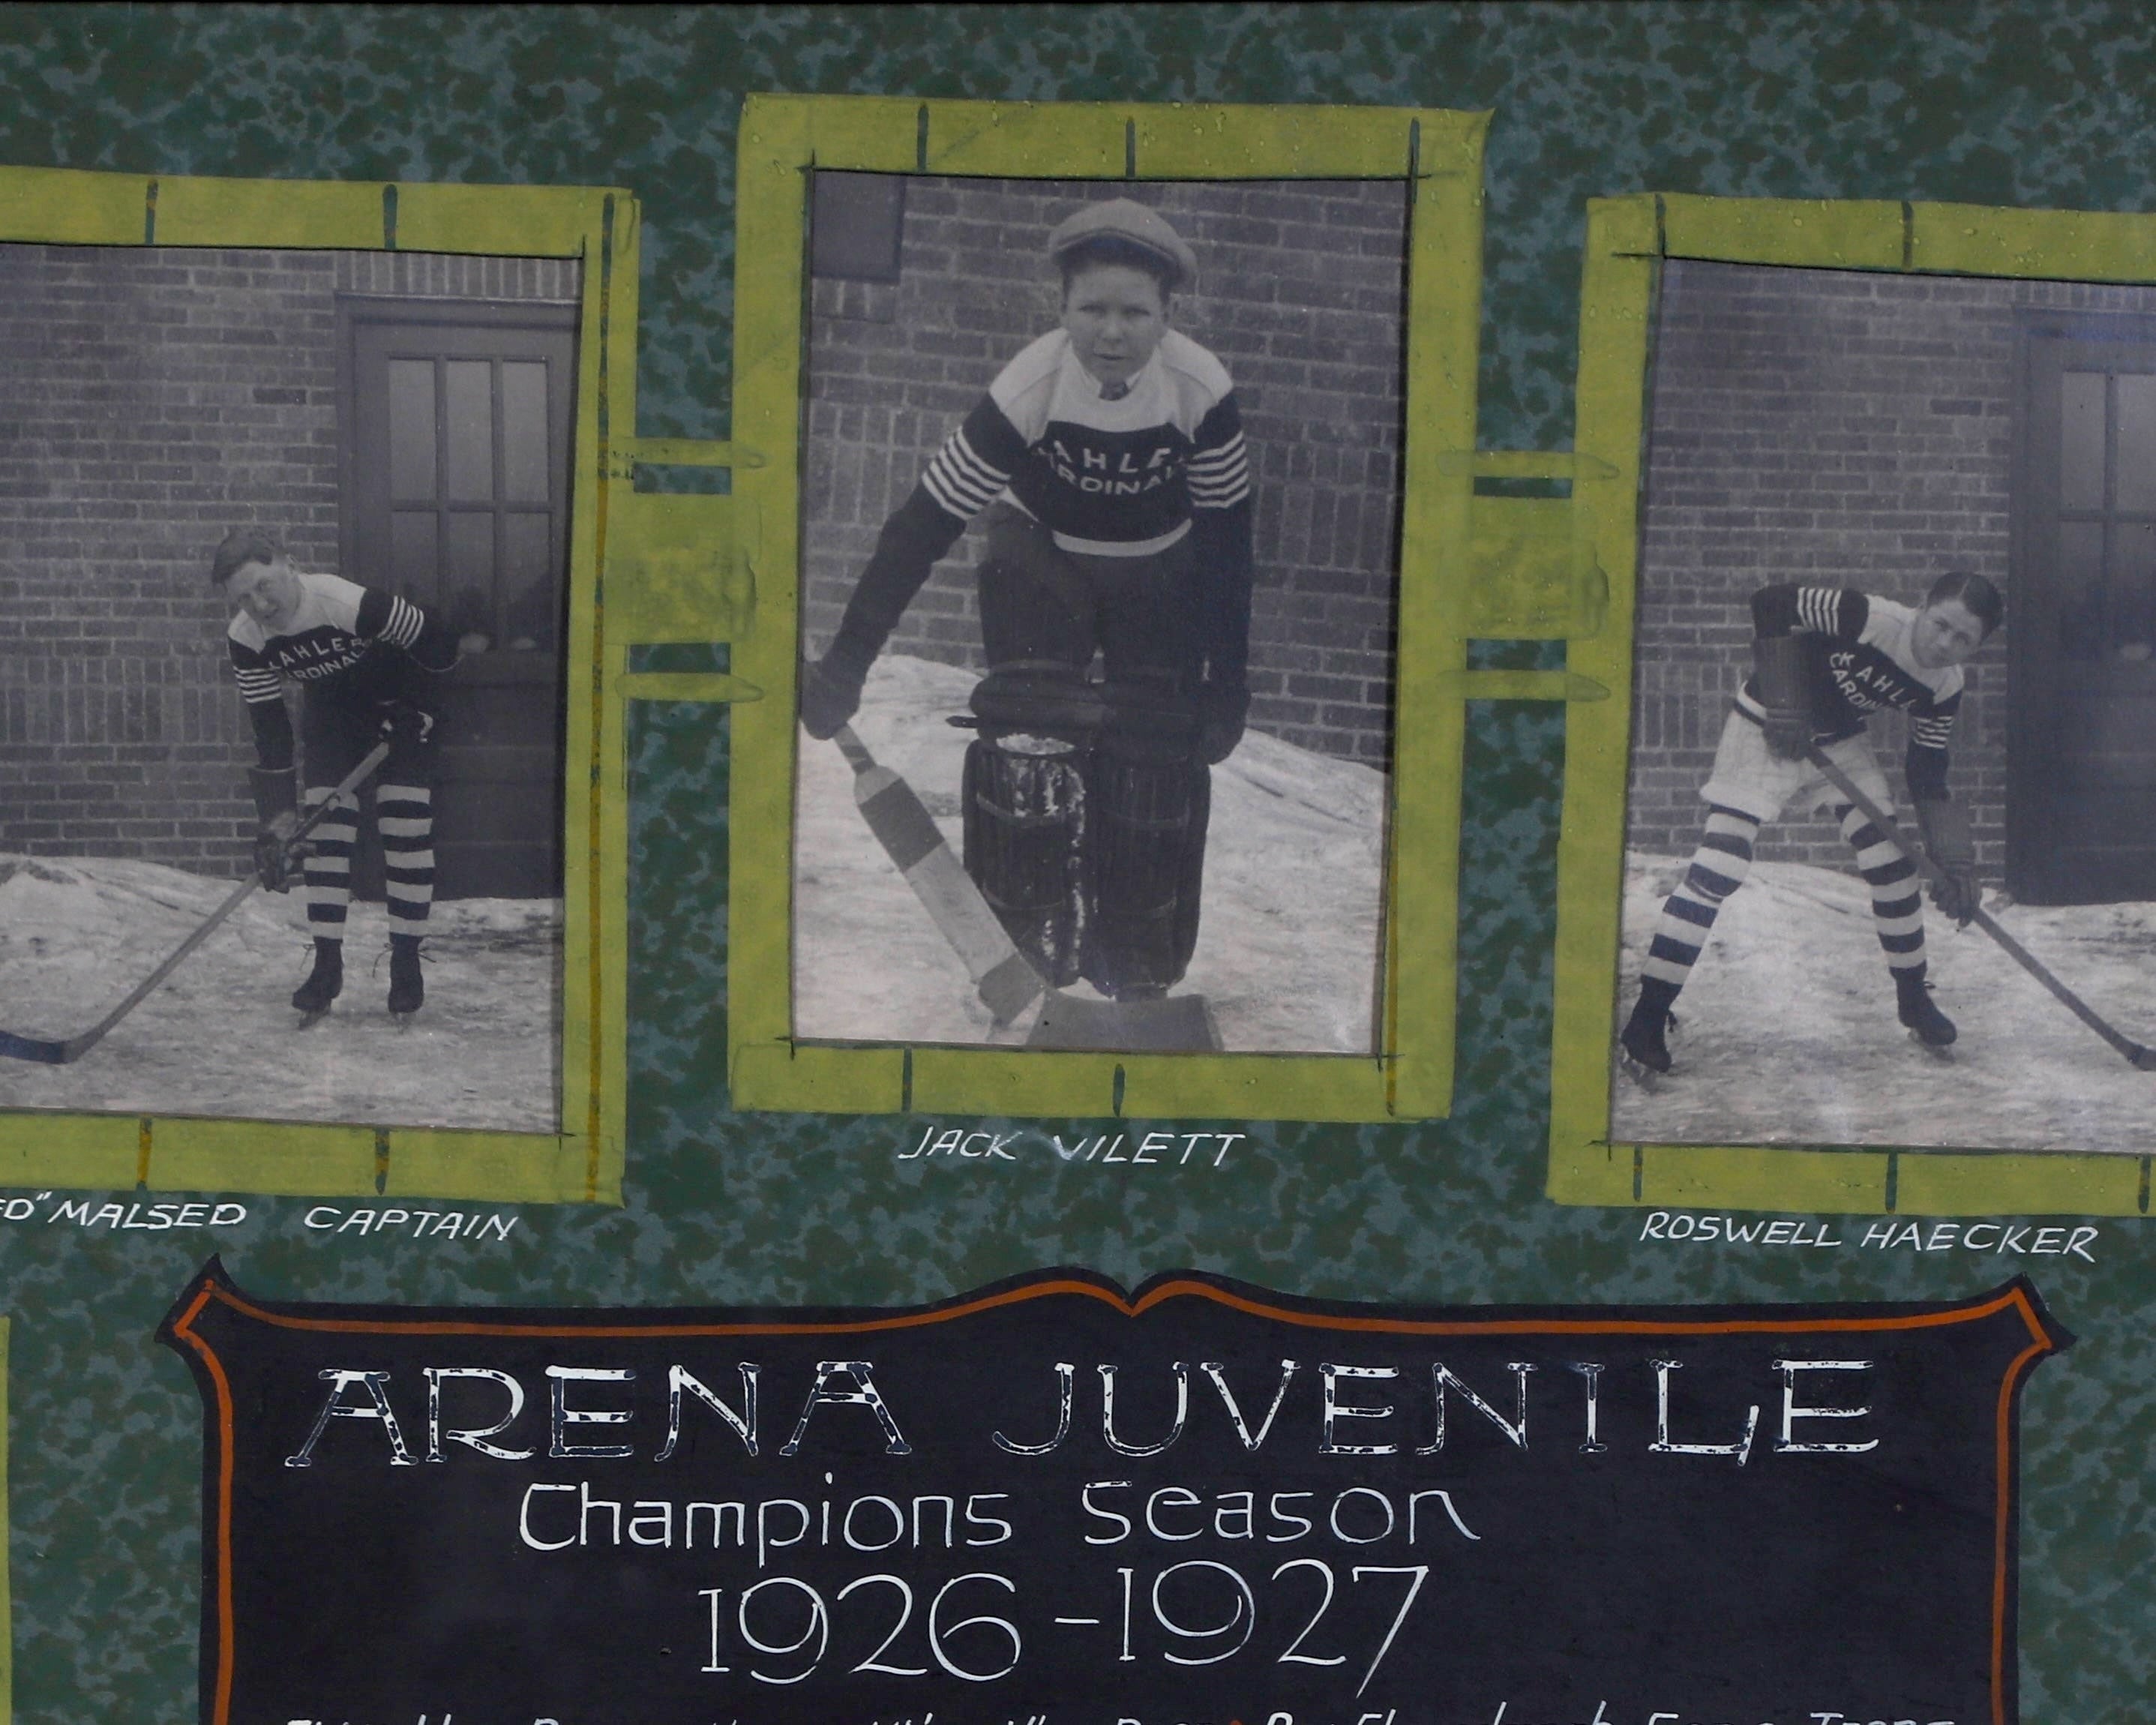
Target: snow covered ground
(1787,1031)
(1287,943)
(218,1037)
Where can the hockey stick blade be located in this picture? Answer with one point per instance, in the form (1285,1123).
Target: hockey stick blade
(32,1048)
(1005,981)
(64,1053)
(2141,1058)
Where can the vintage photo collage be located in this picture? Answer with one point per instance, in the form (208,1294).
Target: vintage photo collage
(286,541)
(1101,494)
(1937,492)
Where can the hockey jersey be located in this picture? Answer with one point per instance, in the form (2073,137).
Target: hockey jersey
(1857,662)
(358,644)
(1122,477)
(1109,478)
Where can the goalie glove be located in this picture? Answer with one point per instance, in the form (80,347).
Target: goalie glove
(1952,848)
(1778,663)
(1222,709)
(830,694)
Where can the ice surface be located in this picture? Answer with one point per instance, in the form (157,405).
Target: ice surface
(218,1037)
(1787,1031)
(1287,943)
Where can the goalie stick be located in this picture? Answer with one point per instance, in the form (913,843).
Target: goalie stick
(15,1046)
(1005,981)
(2141,1058)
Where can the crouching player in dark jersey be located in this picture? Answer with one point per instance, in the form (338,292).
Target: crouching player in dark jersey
(1109,458)
(366,659)
(1824,658)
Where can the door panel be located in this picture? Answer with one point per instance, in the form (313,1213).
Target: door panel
(2081,731)
(458,487)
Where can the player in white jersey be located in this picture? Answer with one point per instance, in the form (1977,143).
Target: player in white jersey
(1109,461)
(1824,659)
(367,661)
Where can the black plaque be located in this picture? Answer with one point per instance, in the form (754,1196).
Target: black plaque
(1050,1501)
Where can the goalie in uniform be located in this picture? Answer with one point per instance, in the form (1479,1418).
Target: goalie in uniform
(1107,460)
(1824,659)
(366,659)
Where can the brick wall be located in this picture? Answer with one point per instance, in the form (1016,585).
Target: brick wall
(149,400)
(1830,427)
(1300,295)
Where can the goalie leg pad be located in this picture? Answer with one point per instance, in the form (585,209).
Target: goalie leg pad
(1025,817)
(1152,716)
(1148,809)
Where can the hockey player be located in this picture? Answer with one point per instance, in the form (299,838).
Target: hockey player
(366,659)
(1108,457)
(1823,658)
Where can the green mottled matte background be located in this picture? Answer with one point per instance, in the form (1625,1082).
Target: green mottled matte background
(2038,104)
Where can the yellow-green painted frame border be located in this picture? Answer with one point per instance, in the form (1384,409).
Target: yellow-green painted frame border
(1441,155)
(583,1161)
(7,1548)
(1626,239)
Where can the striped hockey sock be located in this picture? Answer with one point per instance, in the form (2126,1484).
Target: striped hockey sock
(1719,868)
(1897,906)
(328,870)
(404,815)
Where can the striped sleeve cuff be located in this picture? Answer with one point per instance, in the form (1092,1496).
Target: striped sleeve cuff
(1220,478)
(960,481)
(256,686)
(406,620)
(1819,609)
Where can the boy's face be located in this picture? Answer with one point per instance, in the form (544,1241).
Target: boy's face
(268,593)
(1944,633)
(1114,316)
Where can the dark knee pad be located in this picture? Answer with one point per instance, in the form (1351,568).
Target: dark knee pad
(1025,830)
(1147,807)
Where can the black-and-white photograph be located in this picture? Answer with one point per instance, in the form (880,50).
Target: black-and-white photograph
(284,587)
(1102,490)
(1890,826)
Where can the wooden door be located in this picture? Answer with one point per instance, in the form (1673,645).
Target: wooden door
(457,498)
(2081,619)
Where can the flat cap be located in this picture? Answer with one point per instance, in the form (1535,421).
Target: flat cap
(1133,223)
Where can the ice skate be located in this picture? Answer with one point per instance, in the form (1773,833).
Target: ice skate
(1645,1045)
(408,988)
(1929,1028)
(324,983)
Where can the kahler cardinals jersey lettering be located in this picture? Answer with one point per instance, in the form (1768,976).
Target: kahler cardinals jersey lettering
(352,644)
(1857,662)
(1125,477)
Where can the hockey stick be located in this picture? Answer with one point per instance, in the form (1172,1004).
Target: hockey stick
(2142,1059)
(61,1053)
(1005,981)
